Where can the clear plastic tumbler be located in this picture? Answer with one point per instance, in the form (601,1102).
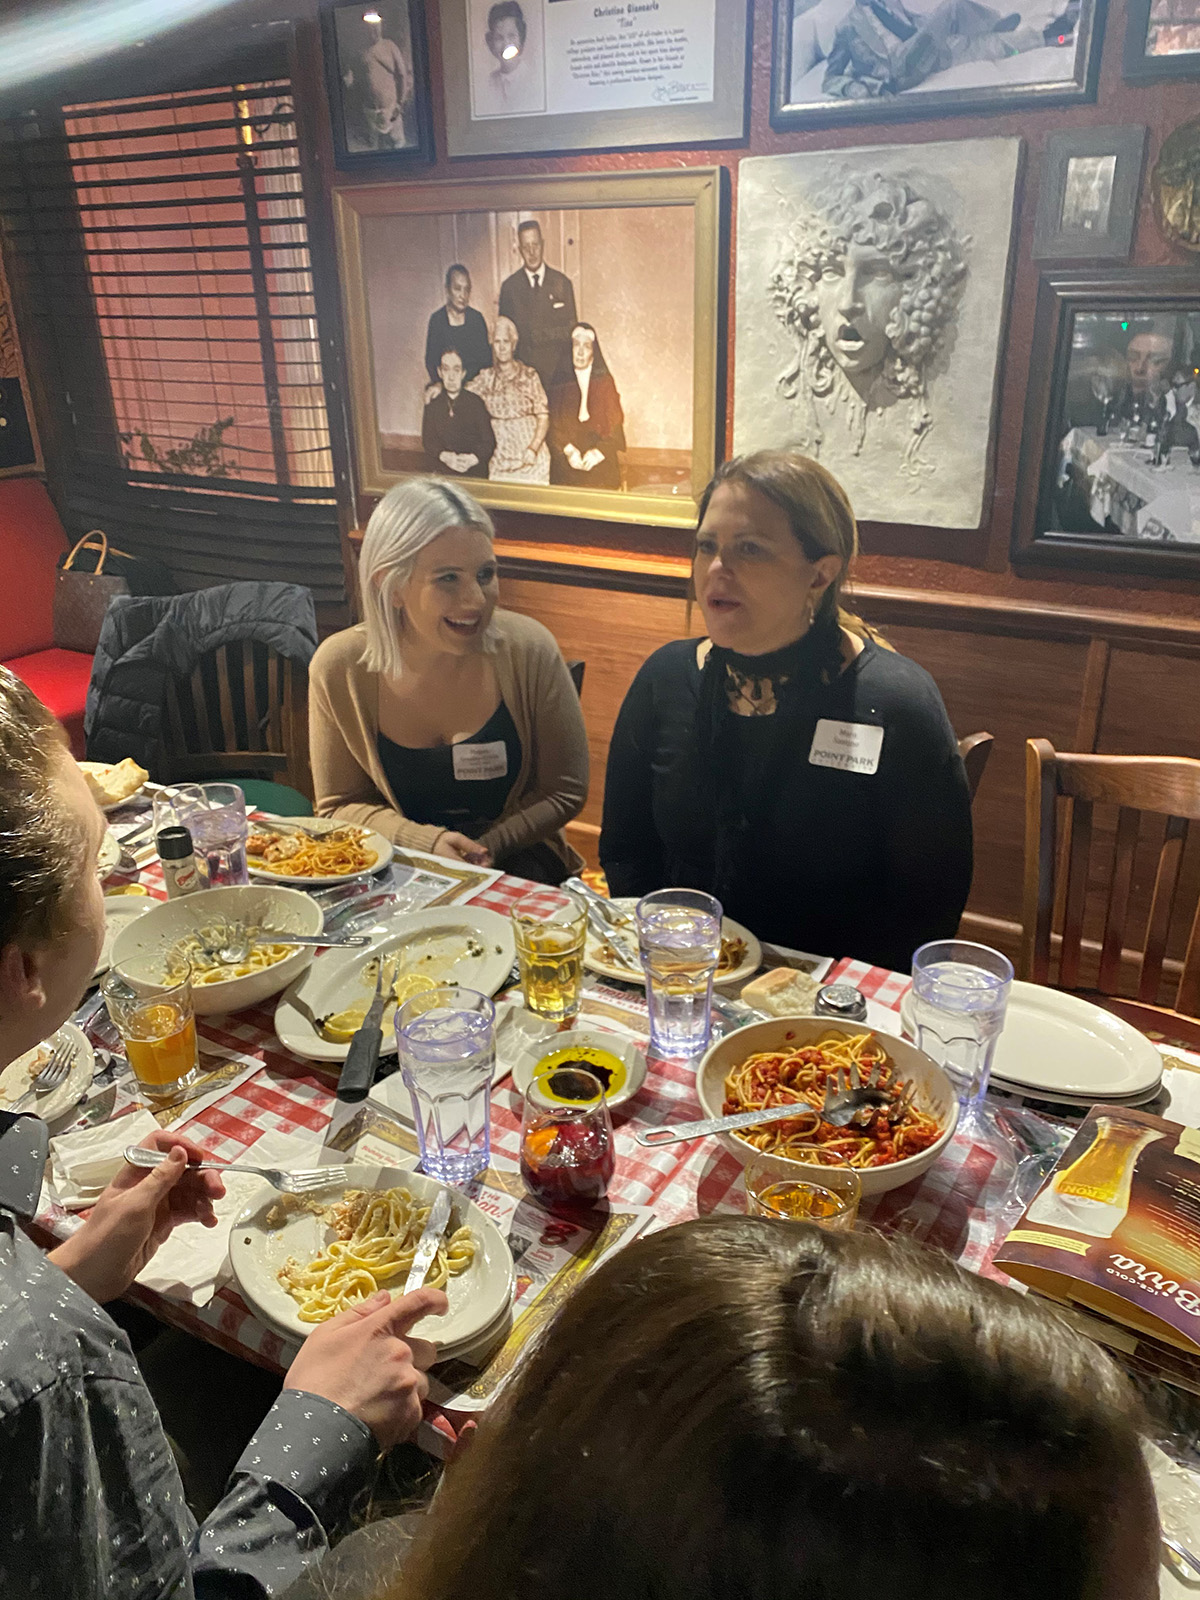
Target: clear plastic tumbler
(960,996)
(679,937)
(447,1047)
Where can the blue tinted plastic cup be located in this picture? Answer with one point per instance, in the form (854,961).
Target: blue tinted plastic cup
(446,1041)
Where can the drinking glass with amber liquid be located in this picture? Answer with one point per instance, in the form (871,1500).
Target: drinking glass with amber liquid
(830,1198)
(549,928)
(1092,1194)
(158,1029)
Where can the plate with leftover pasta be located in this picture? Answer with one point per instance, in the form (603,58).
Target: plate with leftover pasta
(317,851)
(741,953)
(300,1259)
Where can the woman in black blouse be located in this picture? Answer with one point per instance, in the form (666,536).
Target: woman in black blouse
(791,763)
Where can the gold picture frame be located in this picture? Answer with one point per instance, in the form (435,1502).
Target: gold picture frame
(396,242)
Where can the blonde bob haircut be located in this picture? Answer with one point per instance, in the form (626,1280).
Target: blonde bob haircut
(410,516)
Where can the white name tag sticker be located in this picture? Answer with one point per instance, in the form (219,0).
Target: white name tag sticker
(848,746)
(475,763)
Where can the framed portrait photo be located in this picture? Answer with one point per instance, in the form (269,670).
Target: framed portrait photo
(1111,442)
(524,76)
(855,61)
(1162,40)
(1087,202)
(553,341)
(377,70)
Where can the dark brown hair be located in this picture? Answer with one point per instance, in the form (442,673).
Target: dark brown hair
(818,512)
(738,1409)
(40,843)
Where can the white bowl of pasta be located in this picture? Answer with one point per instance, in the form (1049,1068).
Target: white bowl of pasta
(769,1063)
(153,949)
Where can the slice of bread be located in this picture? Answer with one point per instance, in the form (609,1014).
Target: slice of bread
(782,992)
(109,785)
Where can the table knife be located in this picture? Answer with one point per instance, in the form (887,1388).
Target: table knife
(431,1237)
(362,1058)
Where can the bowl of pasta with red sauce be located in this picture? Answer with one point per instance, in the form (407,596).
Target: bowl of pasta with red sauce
(790,1059)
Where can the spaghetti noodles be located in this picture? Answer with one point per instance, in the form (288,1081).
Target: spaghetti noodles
(300,855)
(798,1076)
(377,1234)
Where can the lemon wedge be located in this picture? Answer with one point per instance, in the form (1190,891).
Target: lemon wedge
(410,984)
(343,1025)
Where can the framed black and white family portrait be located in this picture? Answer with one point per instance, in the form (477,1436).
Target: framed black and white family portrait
(541,75)
(1112,424)
(377,70)
(1088,194)
(1162,40)
(553,340)
(855,61)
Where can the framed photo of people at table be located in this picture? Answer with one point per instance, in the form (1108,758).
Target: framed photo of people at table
(553,341)
(1111,442)
(856,61)
(377,71)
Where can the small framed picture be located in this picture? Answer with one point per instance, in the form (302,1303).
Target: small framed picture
(377,68)
(1162,40)
(1110,451)
(1087,204)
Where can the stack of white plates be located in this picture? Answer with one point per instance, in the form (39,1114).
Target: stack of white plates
(1056,1046)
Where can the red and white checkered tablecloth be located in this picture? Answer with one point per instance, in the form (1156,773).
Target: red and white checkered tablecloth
(950,1207)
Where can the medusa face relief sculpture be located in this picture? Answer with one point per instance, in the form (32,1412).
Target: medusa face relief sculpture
(868,283)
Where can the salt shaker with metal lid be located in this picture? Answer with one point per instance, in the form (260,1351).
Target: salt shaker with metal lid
(840,1000)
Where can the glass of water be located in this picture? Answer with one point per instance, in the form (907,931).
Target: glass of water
(447,1045)
(215,816)
(960,995)
(679,938)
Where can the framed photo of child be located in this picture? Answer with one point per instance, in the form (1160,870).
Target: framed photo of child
(855,61)
(377,68)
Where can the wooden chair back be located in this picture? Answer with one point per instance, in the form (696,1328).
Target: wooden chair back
(242,712)
(975,750)
(1061,794)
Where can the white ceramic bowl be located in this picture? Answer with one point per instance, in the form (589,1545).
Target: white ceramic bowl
(140,950)
(934,1092)
(583,1040)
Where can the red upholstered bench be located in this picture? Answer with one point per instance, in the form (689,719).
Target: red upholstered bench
(31,541)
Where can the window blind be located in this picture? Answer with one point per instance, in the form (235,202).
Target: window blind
(161,244)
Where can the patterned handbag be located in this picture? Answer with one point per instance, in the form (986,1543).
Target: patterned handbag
(81,598)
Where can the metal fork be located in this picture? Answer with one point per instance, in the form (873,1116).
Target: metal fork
(306,1182)
(49,1077)
(848,1094)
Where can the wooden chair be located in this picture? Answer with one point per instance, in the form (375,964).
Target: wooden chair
(242,713)
(975,750)
(1061,792)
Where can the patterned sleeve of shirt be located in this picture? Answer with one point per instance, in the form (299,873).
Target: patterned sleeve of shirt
(295,1480)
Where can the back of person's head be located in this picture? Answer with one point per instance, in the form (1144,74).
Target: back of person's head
(40,844)
(410,516)
(818,511)
(738,1409)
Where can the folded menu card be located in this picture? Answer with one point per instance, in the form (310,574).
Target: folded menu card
(1116,1229)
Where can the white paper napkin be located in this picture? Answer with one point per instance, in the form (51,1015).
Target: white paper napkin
(83,1164)
(194,1261)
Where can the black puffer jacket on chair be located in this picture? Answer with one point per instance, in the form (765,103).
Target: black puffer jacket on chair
(148,640)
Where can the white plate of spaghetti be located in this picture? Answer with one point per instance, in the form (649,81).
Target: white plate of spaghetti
(300,1259)
(314,852)
(790,1059)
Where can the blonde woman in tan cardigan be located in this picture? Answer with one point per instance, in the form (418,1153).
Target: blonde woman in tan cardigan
(445,723)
